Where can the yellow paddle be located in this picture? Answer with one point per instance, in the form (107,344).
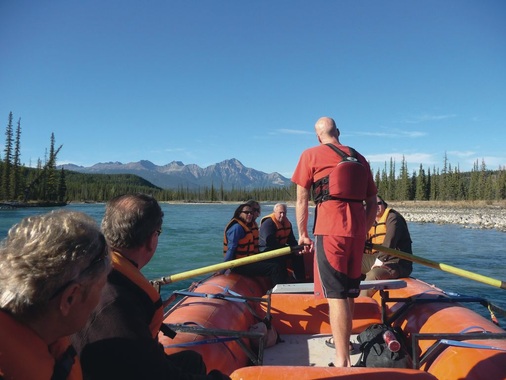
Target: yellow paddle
(444,267)
(226,265)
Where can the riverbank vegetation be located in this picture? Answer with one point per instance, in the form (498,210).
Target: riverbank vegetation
(45,184)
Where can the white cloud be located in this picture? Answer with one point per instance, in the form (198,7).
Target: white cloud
(395,133)
(461,153)
(294,132)
(412,158)
(427,118)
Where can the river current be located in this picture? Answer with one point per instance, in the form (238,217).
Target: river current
(192,237)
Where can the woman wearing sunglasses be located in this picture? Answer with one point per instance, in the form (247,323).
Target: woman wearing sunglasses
(238,241)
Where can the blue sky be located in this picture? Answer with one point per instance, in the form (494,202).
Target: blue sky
(205,81)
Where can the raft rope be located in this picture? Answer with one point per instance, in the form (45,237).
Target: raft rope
(267,319)
(444,340)
(221,336)
(488,305)
(468,330)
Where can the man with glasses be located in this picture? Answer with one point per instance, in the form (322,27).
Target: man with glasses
(239,241)
(120,340)
(390,230)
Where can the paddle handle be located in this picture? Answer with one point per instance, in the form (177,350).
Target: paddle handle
(444,267)
(227,265)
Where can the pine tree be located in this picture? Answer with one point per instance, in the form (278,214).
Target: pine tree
(51,176)
(404,188)
(391,181)
(16,177)
(421,185)
(62,187)
(7,162)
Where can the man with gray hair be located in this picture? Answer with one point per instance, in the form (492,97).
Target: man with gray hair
(276,232)
(52,270)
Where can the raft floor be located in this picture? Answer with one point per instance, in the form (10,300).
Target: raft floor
(304,350)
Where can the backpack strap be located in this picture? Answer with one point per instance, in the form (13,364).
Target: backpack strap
(353,152)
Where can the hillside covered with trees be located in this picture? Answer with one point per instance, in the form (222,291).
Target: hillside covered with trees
(46,185)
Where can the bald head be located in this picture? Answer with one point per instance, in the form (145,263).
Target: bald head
(326,130)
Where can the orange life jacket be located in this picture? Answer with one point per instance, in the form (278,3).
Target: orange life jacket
(24,355)
(378,231)
(246,246)
(256,234)
(129,270)
(282,229)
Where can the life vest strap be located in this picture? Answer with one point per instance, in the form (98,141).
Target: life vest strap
(64,364)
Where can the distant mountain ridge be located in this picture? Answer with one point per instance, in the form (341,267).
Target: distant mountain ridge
(229,174)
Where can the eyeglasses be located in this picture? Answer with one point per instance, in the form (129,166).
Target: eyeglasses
(158,231)
(380,203)
(248,212)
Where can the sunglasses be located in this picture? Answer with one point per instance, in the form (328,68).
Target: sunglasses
(247,212)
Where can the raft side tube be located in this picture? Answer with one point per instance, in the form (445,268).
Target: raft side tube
(450,317)
(303,373)
(216,313)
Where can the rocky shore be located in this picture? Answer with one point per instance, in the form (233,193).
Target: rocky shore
(467,214)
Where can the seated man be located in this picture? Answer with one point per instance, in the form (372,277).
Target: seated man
(120,340)
(276,232)
(389,230)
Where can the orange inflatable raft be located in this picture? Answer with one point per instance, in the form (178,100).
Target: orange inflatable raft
(449,341)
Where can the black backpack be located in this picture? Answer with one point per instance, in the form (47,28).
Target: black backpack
(374,350)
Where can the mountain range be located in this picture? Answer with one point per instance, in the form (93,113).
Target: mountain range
(229,174)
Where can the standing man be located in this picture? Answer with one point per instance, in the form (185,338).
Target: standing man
(390,230)
(276,232)
(120,340)
(341,181)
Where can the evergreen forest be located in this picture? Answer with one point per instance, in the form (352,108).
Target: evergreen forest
(44,184)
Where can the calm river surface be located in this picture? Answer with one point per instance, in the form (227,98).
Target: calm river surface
(193,236)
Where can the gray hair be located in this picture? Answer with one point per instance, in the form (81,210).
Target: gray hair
(44,254)
(130,219)
(279,205)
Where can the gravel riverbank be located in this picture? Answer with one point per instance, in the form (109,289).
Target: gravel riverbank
(468,214)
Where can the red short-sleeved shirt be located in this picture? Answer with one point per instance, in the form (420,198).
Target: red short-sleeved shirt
(333,217)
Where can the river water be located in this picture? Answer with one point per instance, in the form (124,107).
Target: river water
(192,237)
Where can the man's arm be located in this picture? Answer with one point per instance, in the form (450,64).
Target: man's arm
(371,208)
(302,215)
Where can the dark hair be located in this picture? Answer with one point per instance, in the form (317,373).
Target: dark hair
(130,219)
(253,203)
(238,210)
(382,201)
